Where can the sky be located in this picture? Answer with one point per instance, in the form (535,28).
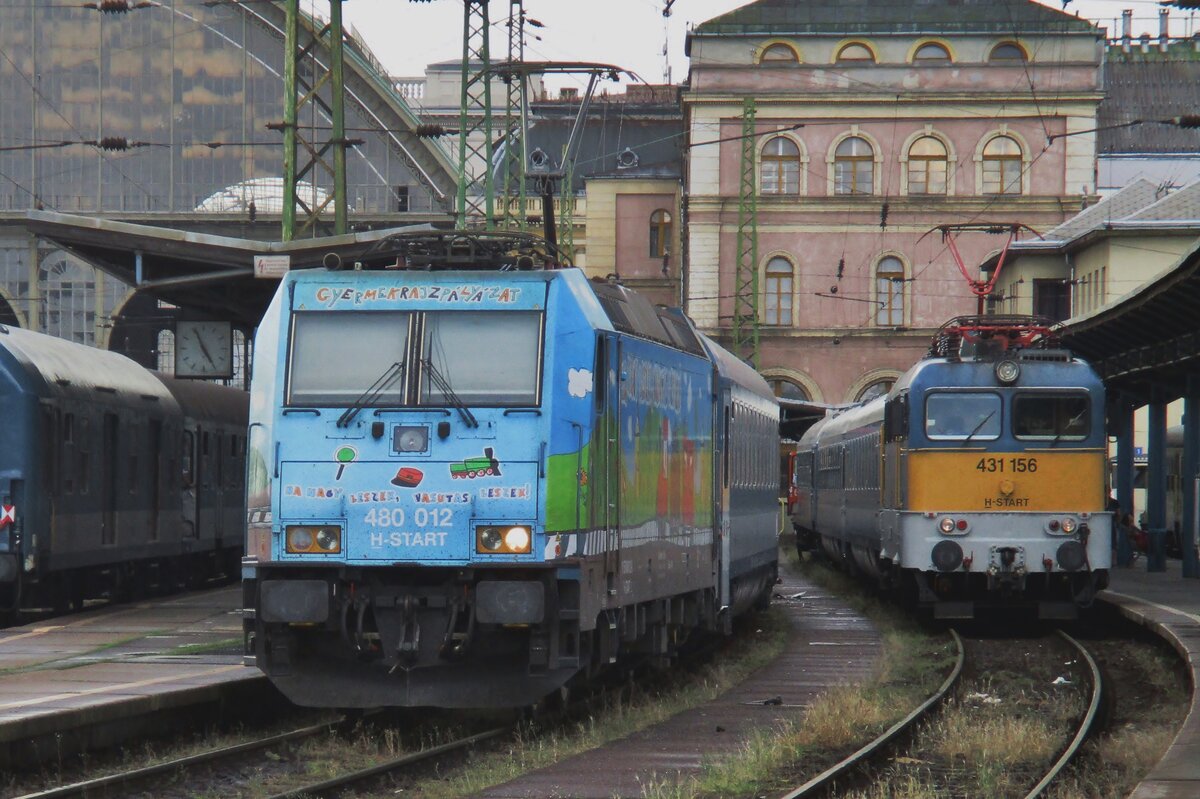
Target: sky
(406,35)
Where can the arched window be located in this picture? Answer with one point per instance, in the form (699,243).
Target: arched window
(853,167)
(855,52)
(1008,51)
(931,51)
(240,360)
(778,52)
(781,166)
(927,166)
(69,295)
(660,233)
(889,292)
(778,304)
(875,389)
(165,349)
(1002,166)
(787,389)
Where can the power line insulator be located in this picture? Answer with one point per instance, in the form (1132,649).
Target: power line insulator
(116,6)
(883,215)
(1189,121)
(429,131)
(113,143)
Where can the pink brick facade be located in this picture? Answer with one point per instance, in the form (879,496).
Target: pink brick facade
(850,324)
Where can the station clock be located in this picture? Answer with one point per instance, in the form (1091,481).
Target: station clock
(203,349)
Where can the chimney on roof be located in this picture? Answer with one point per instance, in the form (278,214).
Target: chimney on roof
(568,93)
(1126,28)
(1144,39)
(1164,34)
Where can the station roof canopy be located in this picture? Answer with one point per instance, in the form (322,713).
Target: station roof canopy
(208,274)
(1146,343)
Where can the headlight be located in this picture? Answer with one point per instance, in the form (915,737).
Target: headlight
(1068,526)
(517,539)
(321,540)
(946,525)
(328,539)
(503,540)
(1007,372)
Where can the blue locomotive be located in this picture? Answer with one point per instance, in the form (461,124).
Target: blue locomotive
(113,479)
(978,480)
(471,485)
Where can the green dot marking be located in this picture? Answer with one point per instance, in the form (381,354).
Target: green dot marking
(346,455)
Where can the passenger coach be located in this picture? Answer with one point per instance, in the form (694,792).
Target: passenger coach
(978,480)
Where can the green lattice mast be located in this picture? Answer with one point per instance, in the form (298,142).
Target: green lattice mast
(299,217)
(745,299)
(476,189)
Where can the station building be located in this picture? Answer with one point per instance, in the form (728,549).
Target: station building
(875,122)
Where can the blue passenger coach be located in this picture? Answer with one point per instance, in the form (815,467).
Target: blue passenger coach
(113,479)
(469,487)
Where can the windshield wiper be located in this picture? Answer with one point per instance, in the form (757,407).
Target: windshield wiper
(978,427)
(381,383)
(1073,420)
(443,385)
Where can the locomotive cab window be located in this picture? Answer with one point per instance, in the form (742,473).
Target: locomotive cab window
(1051,417)
(961,416)
(481,358)
(331,366)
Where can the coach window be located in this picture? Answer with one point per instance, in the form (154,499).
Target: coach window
(189,459)
(133,444)
(1052,417)
(481,358)
(84,458)
(962,415)
(339,356)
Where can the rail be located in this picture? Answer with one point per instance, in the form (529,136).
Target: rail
(891,734)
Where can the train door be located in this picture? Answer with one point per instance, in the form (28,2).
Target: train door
(608,401)
(189,490)
(721,518)
(218,492)
(156,476)
(49,483)
(108,481)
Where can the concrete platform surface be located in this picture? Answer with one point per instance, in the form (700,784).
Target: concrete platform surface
(116,662)
(1168,604)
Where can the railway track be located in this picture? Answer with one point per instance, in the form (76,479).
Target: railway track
(214,758)
(158,777)
(867,759)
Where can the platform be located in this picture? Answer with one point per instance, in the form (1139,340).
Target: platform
(89,677)
(1168,605)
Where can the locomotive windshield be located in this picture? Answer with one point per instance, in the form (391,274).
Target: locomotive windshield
(330,364)
(485,357)
(1051,417)
(961,415)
